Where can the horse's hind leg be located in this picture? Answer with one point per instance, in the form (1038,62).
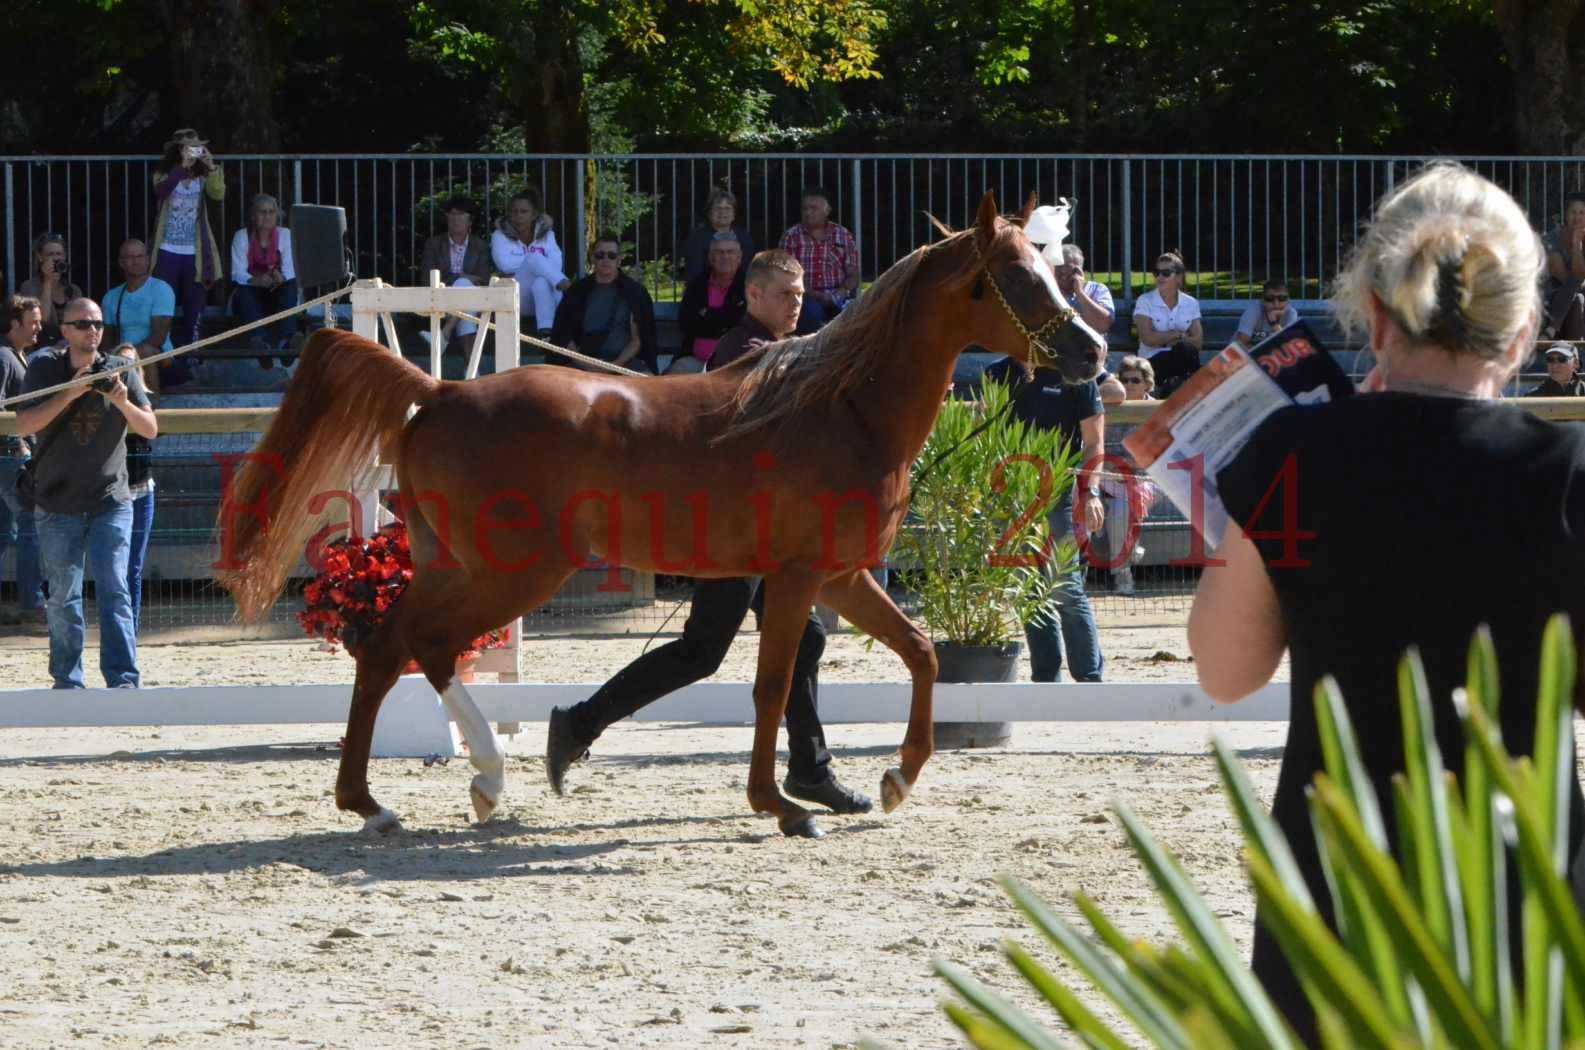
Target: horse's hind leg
(450,611)
(868,607)
(380,661)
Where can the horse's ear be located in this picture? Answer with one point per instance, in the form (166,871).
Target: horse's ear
(985,219)
(1029,207)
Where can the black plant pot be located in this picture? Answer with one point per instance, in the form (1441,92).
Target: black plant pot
(975,663)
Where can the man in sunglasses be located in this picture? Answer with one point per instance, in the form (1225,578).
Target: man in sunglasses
(1562,379)
(608,314)
(1271,314)
(77,482)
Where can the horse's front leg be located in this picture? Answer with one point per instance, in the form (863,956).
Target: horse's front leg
(787,600)
(866,605)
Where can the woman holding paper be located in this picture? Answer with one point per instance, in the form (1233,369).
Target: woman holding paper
(1168,321)
(1402,493)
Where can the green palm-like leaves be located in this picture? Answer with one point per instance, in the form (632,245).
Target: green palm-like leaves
(976,536)
(1422,954)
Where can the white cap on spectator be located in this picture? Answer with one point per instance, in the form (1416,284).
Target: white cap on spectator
(1566,349)
(1048,227)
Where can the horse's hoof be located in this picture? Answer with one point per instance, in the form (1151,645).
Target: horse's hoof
(802,827)
(894,789)
(382,823)
(483,804)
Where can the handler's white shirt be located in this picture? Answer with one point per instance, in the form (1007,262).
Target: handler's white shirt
(1176,319)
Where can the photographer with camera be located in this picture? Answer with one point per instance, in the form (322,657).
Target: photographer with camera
(187,254)
(77,483)
(49,284)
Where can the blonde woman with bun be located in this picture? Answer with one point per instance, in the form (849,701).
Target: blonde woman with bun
(1404,516)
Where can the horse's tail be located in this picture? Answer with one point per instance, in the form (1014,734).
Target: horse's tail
(349,399)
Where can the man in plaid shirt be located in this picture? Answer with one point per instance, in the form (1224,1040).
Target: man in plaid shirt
(830,258)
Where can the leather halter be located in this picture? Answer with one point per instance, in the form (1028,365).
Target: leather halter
(1040,352)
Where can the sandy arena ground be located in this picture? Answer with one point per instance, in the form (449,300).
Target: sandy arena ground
(189,888)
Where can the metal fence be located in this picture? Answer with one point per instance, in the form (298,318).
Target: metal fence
(1237,219)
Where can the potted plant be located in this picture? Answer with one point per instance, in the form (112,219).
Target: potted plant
(359,579)
(976,542)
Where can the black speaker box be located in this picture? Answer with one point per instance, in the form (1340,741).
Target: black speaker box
(318,235)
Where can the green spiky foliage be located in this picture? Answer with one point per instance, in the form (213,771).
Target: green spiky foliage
(1422,956)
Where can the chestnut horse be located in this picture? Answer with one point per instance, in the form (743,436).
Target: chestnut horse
(792,464)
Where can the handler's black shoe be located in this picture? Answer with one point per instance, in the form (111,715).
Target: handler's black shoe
(562,747)
(830,793)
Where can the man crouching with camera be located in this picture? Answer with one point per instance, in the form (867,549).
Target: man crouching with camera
(77,483)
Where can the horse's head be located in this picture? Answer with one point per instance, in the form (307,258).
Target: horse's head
(1022,305)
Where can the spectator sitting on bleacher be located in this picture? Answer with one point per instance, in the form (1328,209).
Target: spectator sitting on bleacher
(461,257)
(186,253)
(1272,314)
(712,304)
(49,284)
(1091,299)
(524,246)
(1562,379)
(1168,319)
(265,275)
(608,314)
(720,217)
(1565,273)
(829,255)
(139,311)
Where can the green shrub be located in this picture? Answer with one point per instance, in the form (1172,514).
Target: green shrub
(977,531)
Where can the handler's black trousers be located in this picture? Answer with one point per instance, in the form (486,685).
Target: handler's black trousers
(719,607)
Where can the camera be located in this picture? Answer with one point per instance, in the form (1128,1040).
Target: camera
(103,363)
(60,266)
(195,151)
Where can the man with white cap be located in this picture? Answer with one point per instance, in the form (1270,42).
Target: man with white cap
(1561,378)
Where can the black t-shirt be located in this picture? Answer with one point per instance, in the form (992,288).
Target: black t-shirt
(80,464)
(734,344)
(1430,516)
(1046,401)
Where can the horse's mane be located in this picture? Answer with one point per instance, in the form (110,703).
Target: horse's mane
(794,374)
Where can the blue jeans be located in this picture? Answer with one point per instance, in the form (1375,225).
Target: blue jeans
(142,524)
(1066,619)
(17,530)
(254,303)
(103,540)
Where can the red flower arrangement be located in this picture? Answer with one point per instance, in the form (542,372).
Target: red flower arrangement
(359,579)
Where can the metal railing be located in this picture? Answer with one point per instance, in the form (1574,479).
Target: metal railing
(1237,219)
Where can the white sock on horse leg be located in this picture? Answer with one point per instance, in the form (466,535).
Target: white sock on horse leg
(483,750)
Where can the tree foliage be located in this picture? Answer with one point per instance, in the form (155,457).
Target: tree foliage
(966,75)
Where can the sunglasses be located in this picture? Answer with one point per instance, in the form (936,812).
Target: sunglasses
(84,326)
(1167,273)
(607,255)
(1553,359)
(1275,298)
(1134,380)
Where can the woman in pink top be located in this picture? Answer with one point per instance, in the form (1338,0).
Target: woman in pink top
(712,304)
